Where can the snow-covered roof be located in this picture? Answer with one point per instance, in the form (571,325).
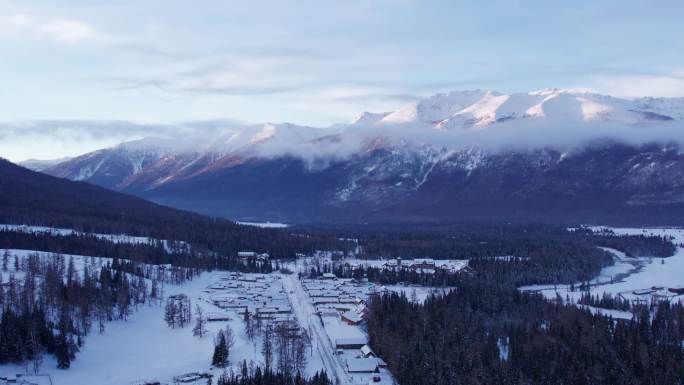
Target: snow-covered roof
(351,341)
(323,293)
(366,350)
(362,365)
(352,316)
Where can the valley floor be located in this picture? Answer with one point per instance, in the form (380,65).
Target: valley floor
(639,280)
(145,349)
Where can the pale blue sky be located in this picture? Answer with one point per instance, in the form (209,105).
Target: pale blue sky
(319,62)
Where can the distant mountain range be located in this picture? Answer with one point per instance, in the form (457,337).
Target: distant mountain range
(549,155)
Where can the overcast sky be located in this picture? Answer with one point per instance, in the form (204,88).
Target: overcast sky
(309,62)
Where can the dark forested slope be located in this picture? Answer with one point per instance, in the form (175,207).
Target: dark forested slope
(28,197)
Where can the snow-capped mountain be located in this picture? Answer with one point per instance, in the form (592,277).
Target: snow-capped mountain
(467,154)
(40,165)
(469,109)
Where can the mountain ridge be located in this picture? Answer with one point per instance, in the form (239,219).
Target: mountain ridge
(462,150)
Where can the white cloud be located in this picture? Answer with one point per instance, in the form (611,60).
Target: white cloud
(55,30)
(633,86)
(66,31)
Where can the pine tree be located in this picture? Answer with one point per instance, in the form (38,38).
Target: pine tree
(154,291)
(62,352)
(220,358)
(5,260)
(71,272)
(249,326)
(170,312)
(244,371)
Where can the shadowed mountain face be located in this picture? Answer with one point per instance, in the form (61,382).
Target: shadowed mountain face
(30,197)
(449,157)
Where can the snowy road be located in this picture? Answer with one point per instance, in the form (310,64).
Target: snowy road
(306,314)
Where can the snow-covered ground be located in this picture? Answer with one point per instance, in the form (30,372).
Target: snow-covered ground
(79,261)
(116,238)
(264,225)
(144,348)
(677,234)
(631,278)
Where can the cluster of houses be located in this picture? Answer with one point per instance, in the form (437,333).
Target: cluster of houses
(249,256)
(653,295)
(360,362)
(420,265)
(260,295)
(341,304)
(426,265)
(333,297)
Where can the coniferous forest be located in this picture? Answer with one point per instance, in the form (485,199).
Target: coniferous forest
(482,333)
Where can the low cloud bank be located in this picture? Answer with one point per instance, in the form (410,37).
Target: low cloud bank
(56,139)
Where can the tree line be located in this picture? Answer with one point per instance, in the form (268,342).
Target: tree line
(259,376)
(152,253)
(514,255)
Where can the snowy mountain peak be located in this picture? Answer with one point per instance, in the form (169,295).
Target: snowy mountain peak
(479,119)
(480,109)
(369,118)
(555,91)
(435,108)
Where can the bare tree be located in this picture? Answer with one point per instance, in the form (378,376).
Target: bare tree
(267,346)
(200,328)
(230,340)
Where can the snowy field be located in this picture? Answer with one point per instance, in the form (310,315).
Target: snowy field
(144,348)
(631,278)
(116,238)
(265,225)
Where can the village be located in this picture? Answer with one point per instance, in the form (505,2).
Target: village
(321,316)
(330,309)
(419,265)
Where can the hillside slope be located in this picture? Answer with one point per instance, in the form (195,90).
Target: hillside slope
(28,197)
